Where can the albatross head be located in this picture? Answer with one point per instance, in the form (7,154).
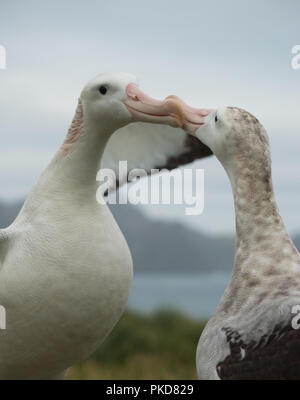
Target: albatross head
(114,99)
(233,134)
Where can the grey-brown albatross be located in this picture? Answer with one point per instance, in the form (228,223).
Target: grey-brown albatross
(253,333)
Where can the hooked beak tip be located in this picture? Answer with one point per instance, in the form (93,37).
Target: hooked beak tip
(194,118)
(176,110)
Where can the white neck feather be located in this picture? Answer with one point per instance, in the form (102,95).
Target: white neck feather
(71,175)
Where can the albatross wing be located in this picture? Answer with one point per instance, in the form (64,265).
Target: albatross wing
(150,146)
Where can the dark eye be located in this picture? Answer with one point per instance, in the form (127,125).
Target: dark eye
(216,119)
(103,89)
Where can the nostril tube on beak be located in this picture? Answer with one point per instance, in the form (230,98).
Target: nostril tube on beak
(131,91)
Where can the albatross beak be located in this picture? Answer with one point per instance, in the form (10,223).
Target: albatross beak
(145,109)
(193,117)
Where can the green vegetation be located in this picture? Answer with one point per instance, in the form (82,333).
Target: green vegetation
(160,346)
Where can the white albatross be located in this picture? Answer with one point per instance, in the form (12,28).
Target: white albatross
(65,268)
(253,333)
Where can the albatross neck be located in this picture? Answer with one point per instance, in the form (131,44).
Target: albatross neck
(259,226)
(81,162)
(71,175)
(264,254)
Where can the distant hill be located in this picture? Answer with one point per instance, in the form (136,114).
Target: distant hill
(8,212)
(297,241)
(160,245)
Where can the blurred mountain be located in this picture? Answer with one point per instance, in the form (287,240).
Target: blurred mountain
(8,212)
(297,241)
(162,246)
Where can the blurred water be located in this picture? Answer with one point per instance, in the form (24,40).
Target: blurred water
(196,294)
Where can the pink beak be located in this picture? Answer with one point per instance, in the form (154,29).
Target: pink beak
(145,109)
(193,117)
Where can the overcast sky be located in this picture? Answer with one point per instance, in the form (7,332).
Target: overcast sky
(210,53)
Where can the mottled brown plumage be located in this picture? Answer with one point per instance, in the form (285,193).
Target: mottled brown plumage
(250,336)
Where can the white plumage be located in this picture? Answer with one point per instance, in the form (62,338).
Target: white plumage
(65,267)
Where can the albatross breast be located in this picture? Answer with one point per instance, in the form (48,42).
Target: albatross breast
(68,298)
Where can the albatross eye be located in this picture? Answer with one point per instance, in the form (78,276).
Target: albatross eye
(103,89)
(216,119)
